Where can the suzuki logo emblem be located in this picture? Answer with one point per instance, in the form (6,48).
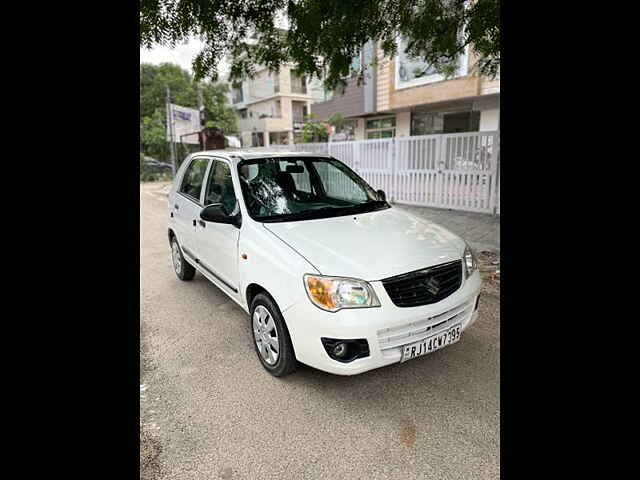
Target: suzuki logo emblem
(433,286)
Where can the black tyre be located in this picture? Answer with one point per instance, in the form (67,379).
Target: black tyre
(271,338)
(183,270)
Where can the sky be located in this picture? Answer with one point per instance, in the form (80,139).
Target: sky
(182,55)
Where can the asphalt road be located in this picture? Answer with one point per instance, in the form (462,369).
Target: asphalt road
(210,411)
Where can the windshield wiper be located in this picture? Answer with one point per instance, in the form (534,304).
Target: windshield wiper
(365,207)
(305,214)
(372,205)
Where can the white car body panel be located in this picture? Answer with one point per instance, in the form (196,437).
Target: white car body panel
(345,246)
(370,246)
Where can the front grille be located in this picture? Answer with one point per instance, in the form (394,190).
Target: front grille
(426,286)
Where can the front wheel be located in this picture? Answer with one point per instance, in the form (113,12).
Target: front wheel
(271,337)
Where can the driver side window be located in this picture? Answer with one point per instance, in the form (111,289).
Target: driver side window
(220,186)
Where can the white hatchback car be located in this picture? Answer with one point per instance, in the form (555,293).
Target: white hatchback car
(330,273)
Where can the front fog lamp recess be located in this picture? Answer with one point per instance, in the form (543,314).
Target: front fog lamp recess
(345,350)
(340,350)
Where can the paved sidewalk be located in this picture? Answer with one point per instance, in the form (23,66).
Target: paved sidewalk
(481,230)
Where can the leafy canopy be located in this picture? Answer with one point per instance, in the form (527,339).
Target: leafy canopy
(154,80)
(313,130)
(323,35)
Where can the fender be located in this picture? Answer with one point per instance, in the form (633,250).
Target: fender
(272,264)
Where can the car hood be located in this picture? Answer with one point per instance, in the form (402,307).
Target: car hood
(370,246)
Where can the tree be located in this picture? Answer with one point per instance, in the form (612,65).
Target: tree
(154,136)
(154,80)
(314,131)
(323,35)
(336,120)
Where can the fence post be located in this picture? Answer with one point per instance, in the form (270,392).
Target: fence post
(495,160)
(437,161)
(395,155)
(355,153)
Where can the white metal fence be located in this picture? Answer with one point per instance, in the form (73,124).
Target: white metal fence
(459,171)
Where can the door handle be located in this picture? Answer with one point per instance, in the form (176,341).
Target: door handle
(176,206)
(202,223)
(194,222)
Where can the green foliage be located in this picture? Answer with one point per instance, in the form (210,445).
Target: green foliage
(324,35)
(154,80)
(336,120)
(314,131)
(154,136)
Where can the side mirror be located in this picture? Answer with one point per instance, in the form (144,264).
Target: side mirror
(382,196)
(216,213)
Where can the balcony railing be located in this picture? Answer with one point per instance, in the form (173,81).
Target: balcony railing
(298,122)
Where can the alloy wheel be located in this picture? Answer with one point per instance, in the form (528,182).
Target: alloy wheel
(265,334)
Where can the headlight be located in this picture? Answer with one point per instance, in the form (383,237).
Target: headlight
(335,293)
(470,262)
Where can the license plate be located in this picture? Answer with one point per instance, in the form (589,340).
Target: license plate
(431,344)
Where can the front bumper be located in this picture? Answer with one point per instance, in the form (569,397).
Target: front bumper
(386,328)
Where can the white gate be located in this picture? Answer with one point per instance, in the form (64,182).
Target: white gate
(372,159)
(456,171)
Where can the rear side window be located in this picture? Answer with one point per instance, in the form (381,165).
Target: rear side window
(194,178)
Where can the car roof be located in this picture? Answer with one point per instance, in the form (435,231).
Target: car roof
(239,155)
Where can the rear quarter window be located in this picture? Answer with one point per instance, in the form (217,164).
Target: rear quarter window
(193,178)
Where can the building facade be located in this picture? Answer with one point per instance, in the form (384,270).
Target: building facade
(401,96)
(271,107)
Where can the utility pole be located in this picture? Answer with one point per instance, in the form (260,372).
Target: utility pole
(201,113)
(170,127)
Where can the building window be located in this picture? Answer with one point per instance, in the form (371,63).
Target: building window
(276,82)
(356,65)
(257,139)
(345,132)
(278,138)
(413,71)
(298,83)
(242,112)
(384,127)
(236,93)
(429,123)
(298,114)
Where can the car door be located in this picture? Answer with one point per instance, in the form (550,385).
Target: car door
(187,204)
(217,243)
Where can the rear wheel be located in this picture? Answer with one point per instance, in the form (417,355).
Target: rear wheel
(271,337)
(183,270)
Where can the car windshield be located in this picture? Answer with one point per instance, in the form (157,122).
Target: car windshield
(300,188)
